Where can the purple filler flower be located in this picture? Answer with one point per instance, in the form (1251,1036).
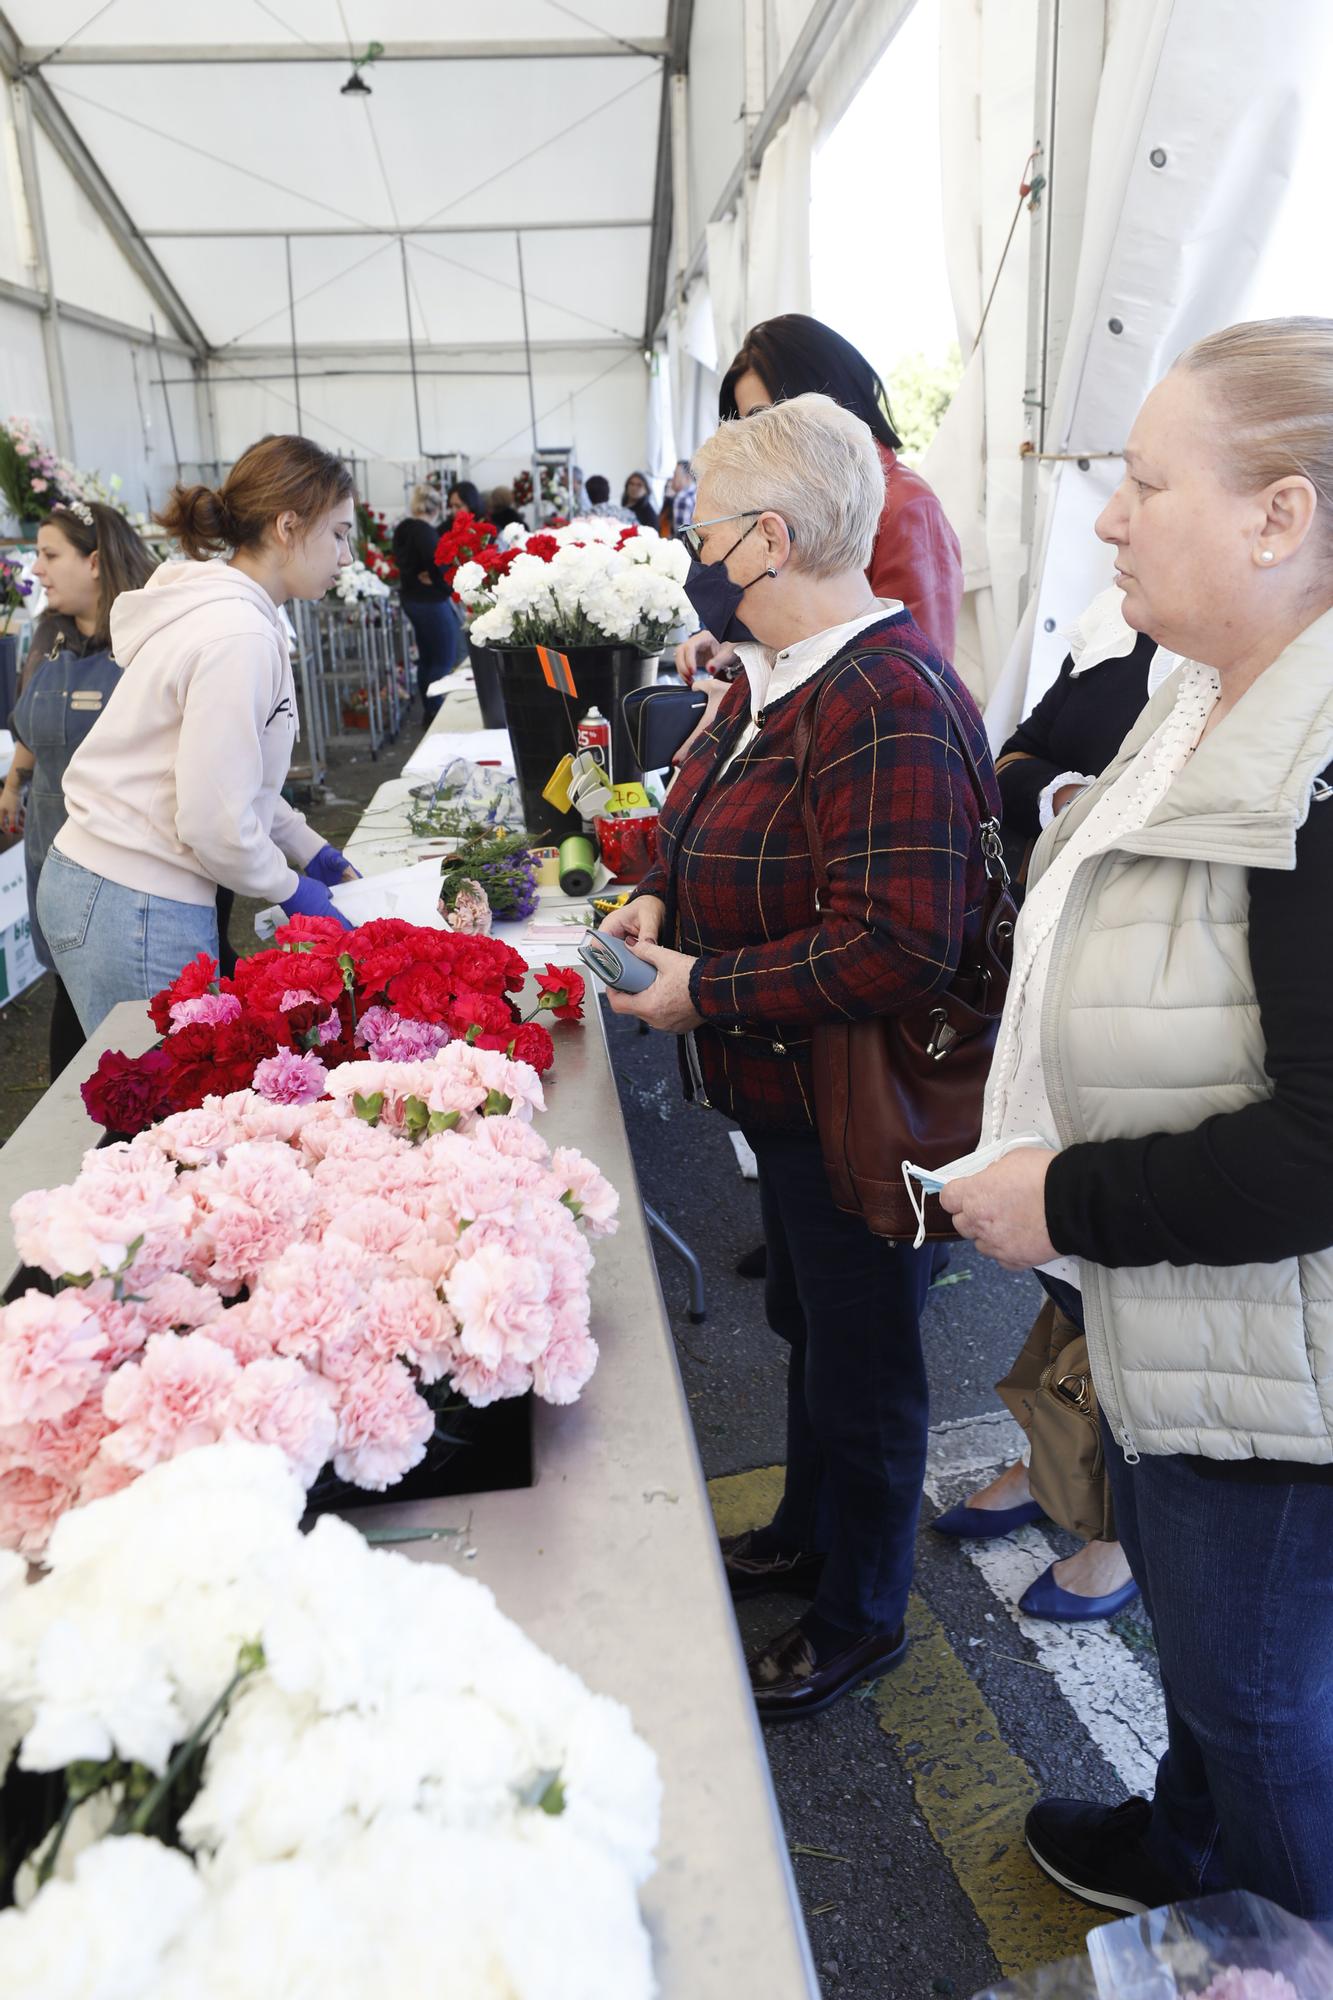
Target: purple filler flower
(288,1078)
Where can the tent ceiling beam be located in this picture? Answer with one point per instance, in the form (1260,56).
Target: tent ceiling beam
(825,21)
(273,351)
(680,21)
(431,229)
(50,114)
(24,295)
(96,55)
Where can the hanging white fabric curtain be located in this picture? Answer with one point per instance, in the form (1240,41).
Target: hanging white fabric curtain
(987,71)
(1197,123)
(778,263)
(726,287)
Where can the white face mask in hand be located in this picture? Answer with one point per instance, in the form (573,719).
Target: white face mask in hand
(921,1181)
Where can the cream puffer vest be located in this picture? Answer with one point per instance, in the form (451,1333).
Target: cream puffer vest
(1150,1024)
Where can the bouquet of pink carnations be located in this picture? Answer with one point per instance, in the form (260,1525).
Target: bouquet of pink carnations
(314,1275)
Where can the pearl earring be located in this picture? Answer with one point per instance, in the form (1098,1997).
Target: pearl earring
(1265,555)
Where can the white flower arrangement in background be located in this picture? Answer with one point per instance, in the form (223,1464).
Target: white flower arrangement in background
(357,585)
(401,1786)
(593,583)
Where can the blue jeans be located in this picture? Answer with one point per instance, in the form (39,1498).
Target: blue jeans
(849,1305)
(1237,1577)
(439,638)
(111,944)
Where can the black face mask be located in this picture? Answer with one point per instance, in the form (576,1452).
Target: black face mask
(715,599)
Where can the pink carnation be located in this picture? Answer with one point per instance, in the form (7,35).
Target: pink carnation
(299,996)
(62,1449)
(383,1427)
(252,1206)
(406,1320)
(483,1386)
(209,1010)
(196,1138)
(513,1138)
(391,1038)
(30,1505)
(49,1357)
(500,1303)
(173,1400)
(311,1305)
(104,1477)
(280,1402)
(593,1199)
(382,1227)
(1236,1982)
(288,1078)
(561,1372)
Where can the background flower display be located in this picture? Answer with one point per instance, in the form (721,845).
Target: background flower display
(321,990)
(34,479)
(374,539)
(15,589)
(592,583)
(358,585)
(254,1760)
(317,1264)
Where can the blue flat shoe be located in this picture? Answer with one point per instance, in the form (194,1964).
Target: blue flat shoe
(985,1524)
(1047,1599)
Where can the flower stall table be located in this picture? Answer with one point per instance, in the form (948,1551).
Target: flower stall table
(609,1559)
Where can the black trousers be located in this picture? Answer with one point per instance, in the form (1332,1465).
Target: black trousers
(439,640)
(849,1305)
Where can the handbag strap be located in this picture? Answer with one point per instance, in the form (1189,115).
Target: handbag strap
(992,849)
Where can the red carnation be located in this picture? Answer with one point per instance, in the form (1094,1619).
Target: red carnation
(197,978)
(309,930)
(421,994)
(561,991)
(128,1093)
(532,1044)
(545,546)
(479,1010)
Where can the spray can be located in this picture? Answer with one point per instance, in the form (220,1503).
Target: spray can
(594,733)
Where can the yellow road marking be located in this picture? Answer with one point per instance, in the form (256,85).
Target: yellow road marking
(971,1789)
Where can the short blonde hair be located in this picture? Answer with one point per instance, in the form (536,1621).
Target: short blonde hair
(425,500)
(810,461)
(1271,381)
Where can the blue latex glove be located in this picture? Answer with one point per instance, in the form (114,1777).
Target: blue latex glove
(329,865)
(312,899)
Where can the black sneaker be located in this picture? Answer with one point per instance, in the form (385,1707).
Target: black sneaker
(1096,1852)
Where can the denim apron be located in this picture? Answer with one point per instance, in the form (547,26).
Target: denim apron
(61,702)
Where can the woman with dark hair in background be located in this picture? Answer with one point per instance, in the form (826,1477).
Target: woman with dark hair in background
(179,788)
(427,599)
(464,498)
(639,500)
(86,556)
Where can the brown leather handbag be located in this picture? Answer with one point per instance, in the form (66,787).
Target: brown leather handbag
(909,1086)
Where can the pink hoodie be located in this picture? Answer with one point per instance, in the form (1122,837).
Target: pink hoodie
(178,786)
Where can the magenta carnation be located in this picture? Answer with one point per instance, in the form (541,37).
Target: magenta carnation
(289,1078)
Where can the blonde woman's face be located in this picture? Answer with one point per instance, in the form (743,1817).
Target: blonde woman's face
(1185,542)
(69,577)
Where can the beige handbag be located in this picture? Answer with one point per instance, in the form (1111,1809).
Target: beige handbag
(1049,1389)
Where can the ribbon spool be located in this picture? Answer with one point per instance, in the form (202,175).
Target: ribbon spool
(578,859)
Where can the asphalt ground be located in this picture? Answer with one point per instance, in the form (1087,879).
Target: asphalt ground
(902,1805)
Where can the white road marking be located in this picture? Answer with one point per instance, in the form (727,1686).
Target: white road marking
(1114,1696)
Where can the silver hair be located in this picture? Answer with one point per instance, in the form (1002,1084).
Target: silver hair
(813,463)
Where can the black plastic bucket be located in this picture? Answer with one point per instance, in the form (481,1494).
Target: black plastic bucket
(486,678)
(543,722)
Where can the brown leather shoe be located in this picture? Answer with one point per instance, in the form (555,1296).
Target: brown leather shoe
(789,1682)
(750,1575)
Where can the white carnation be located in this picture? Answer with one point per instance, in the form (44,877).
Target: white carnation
(104,1935)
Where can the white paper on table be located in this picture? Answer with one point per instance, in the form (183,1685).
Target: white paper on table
(460,681)
(411,892)
(480,746)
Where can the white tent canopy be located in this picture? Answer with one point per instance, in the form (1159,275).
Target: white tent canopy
(550,225)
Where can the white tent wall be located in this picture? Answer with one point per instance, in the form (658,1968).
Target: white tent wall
(474,402)
(1197,125)
(119,418)
(24,389)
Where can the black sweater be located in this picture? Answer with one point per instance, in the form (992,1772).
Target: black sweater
(414,545)
(1078,725)
(1249,1186)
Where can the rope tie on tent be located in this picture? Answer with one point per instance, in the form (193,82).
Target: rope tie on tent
(1029,191)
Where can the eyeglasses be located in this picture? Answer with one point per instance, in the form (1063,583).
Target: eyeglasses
(693,535)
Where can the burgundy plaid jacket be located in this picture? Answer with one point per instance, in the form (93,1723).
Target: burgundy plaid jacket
(899,822)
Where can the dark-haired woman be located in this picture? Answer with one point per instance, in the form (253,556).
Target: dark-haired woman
(86,556)
(464,499)
(916,557)
(639,500)
(179,788)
